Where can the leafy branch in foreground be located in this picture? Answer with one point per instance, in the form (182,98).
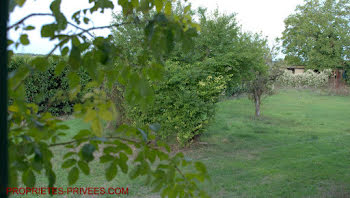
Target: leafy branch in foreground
(32,134)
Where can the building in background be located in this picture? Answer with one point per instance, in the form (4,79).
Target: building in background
(296,69)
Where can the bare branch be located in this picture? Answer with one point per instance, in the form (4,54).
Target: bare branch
(56,46)
(91,29)
(27,17)
(82,32)
(72,24)
(103,27)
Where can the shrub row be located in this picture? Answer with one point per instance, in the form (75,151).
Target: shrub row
(308,79)
(44,88)
(183,105)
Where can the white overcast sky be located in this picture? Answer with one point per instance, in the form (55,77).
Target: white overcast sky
(265,16)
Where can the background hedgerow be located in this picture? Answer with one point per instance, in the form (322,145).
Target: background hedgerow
(308,79)
(48,89)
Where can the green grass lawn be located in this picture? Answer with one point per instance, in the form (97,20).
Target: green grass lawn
(300,147)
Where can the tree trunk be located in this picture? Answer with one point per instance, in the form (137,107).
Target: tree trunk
(337,80)
(257,105)
(119,100)
(4,165)
(117,97)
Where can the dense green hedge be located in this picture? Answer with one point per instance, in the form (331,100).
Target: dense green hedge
(184,102)
(46,89)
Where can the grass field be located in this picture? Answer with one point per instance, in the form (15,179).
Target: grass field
(300,147)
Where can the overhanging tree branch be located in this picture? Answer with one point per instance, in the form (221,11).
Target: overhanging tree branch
(80,28)
(67,36)
(27,17)
(101,27)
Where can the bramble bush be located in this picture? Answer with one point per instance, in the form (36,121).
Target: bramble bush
(184,102)
(308,79)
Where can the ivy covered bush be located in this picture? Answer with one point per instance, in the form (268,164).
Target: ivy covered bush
(308,79)
(184,102)
(49,88)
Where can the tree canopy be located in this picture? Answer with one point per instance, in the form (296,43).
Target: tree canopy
(222,56)
(33,134)
(317,35)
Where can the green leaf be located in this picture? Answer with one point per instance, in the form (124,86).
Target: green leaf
(69,163)
(155,72)
(9,42)
(135,172)
(122,162)
(135,3)
(201,167)
(73,176)
(37,165)
(64,51)
(165,192)
(187,8)
(174,191)
(74,79)
(60,67)
(69,154)
(87,152)
(144,134)
(111,171)
(159,5)
(28,178)
(74,57)
(90,115)
(40,63)
(96,127)
(151,155)
(106,115)
(84,167)
(13,178)
(24,39)
(20,2)
(82,134)
(86,20)
(167,9)
(48,30)
(51,177)
(60,18)
(29,27)
(106,158)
